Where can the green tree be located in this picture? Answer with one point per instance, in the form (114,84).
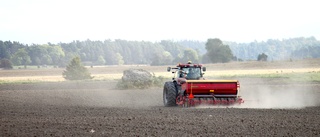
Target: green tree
(21,57)
(36,61)
(55,53)
(46,59)
(167,57)
(101,61)
(217,51)
(156,59)
(119,59)
(161,58)
(5,64)
(4,50)
(190,55)
(40,53)
(262,57)
(205,59)
(76,71)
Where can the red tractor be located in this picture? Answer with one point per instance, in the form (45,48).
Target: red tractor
(189,88)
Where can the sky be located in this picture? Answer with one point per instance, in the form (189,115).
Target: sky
(43,21)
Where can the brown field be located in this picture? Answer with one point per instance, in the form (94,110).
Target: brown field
(273,106)
(115,72)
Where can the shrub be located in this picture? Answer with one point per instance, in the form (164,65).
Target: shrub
(5,64)
(76,71)
(262,57)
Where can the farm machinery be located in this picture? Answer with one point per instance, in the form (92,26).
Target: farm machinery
(188,88)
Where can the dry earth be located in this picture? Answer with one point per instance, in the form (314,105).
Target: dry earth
(272,108)
(115,72)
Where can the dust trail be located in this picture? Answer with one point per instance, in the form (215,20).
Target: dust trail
(109,98)
(274,94)
(89,94)
(287,96)
(265,99)
(257,94)
(134,98)
(89,98)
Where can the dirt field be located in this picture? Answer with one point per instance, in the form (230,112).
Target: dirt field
(272,108)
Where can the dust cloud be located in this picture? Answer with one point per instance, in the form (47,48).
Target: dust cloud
(124,98)
(277,93)
(262,93)
(106,98)
(257,94)
(92,94)
(279,96)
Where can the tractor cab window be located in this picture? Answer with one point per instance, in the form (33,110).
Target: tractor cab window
(181,74)
(192,73)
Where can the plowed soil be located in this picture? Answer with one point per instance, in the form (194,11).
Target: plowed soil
(272,108)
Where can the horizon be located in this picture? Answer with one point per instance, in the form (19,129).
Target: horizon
(40,22)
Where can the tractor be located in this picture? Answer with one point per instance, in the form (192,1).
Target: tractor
(189,88)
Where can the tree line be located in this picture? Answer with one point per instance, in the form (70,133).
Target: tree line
(165,52)
(286,49)
(108,52)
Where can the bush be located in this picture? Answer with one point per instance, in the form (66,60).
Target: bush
(262,57)
(76,71)
(5,64)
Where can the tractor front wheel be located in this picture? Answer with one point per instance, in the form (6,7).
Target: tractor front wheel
(169,94)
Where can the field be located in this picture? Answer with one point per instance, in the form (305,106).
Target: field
(308,69)
(39,102)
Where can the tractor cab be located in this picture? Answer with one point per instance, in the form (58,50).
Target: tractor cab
(188,71)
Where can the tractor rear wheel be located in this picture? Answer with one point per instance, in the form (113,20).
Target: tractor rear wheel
(169,94)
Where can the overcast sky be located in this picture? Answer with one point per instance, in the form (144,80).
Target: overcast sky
(42,21)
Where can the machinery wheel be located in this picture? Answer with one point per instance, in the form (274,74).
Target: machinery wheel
(169,94)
